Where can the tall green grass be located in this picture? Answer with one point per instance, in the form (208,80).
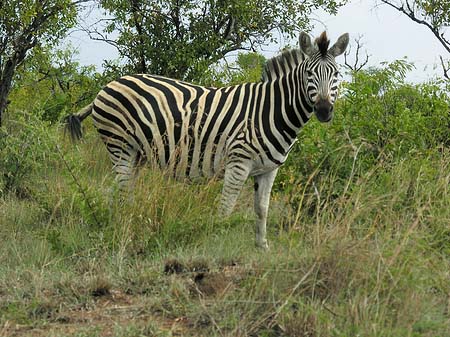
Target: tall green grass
(361,254)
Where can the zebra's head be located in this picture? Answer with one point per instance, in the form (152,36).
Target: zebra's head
(320,72)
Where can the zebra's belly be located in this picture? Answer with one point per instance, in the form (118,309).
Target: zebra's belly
(259,168)
(186,163)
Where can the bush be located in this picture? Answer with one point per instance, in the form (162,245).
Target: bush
(378,117)
(51,84)
(27,145)
(391,116)
(380,124)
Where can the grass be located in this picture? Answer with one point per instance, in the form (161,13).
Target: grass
(373,260)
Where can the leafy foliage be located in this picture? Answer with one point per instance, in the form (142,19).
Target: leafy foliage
(379,120)
(436,12)
(53,84)
(34,22)
(26,147)
(181,39)
(25,25)
(390,114)
(248,67)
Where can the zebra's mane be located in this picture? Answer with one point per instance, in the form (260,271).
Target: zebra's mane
(282,64)
(322,43)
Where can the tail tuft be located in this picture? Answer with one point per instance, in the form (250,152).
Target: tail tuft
(73,127)
(72,123)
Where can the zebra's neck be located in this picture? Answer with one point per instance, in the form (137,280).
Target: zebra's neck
(285,110)
(298,104)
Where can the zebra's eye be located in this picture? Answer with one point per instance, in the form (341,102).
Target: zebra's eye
(309,73)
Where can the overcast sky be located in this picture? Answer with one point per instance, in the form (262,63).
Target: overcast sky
(386,33)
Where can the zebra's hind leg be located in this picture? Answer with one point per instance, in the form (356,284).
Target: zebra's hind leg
(263,187)
(125,176)
(125,167)
(236,173)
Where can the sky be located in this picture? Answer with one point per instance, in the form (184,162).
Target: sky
(386,35)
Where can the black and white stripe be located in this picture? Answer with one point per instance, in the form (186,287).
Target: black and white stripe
(238,131)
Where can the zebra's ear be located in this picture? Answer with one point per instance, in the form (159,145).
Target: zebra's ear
(305,44)
(339,47)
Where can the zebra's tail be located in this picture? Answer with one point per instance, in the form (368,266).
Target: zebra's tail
(73,122)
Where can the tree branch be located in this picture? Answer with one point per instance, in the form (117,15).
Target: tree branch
(99,37)
(135,11)
(175,16)
(410,13)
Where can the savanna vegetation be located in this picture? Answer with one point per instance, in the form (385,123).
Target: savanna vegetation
(359,226)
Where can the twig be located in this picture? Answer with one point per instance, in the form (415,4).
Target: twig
(446,69)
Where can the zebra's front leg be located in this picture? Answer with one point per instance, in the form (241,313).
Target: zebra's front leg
(263,187)
(236,173)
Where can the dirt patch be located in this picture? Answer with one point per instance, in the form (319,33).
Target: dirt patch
(212,284)
(110,310)
(203,280)
(176,266)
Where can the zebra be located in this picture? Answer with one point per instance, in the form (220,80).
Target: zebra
(234,132)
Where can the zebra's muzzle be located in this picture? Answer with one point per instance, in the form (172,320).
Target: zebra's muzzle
(324,110)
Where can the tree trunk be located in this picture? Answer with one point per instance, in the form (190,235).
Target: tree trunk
(7,73)
(138,25)
(5,86)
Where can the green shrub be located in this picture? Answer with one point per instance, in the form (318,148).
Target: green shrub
(392,116)
(51,84)
(27,145)
(378,117)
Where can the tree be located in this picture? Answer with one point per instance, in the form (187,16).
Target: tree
(181,38)
(433,14)
(25,24)
(248,67)
(50,83)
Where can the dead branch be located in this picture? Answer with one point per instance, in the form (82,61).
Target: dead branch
(359,63)
(409,11)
